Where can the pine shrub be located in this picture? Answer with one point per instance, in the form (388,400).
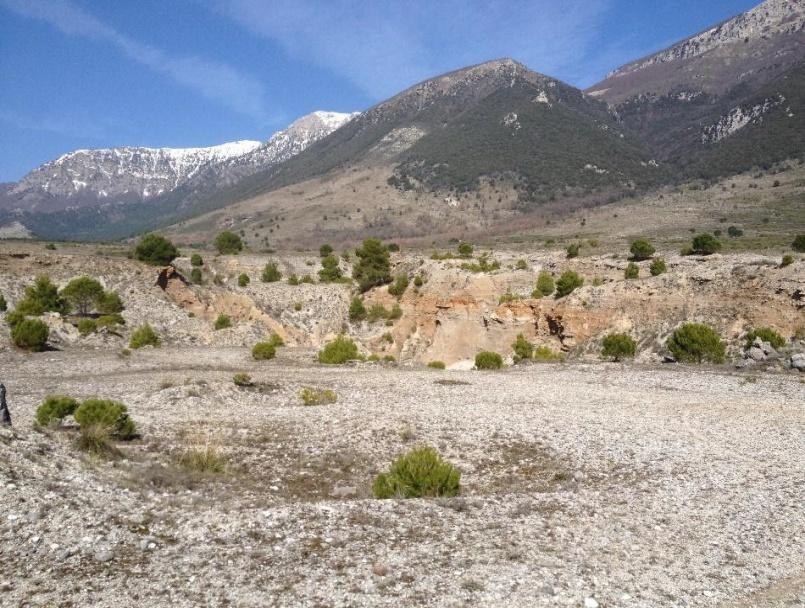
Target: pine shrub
(632,271)
(568,283)
(657,267)
(486,360)
(339,351)
(695,343)
(54,409)
(641,249)
(144,336)
(618,346)
(30,334)
(263,351)
(421,472)
(111,415)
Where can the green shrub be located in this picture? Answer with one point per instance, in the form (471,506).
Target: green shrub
(54,409)
(657,267)
(196,277)
(83,294)
(357,311)
(399,286)
(787,260)
(195,260)
(30,334)
(694,343)
(395,312)
(110,303)
(421,472)
(313,396)
(144,336)
(325,250)
(243,280)
(293,279)
(483,265)
(568,283)
(734,232)
(799,243)
(242,380)
(43,296)
(389,359)
(110,321)
(767,334)
(276,340)
(96,440)
(307,279)
(393,247)
(111,415)
(572,250)
(372,268)
(545,355)
(339,351)
(705,244)
(418,281)
(465,250)
(297,306)
(271,273)
(618,346)
(3,304)
(330,271)
(641,249)
(50,247)
(545,285)
(228,243)
(155,250)
(222,322)
(14,317)
(632,271)
(87,326)
(436,365)
(488,360)
(263,351)
(521,265)
(508,297)
(523,349)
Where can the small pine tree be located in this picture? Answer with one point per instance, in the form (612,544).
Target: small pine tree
(641,249)
(545,285)
(271,273)
(155,250)
(632,271)
(228,243)
(657,267)
(373,267)
(618,346)
(330,271)
(523,349)
(357,311)
(568,283)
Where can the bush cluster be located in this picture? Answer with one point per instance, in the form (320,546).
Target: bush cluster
(144,336)
(54,409)
(228,243)
(339,351)
(155,250)
(30,334)
(695,343)
(313,396)
(421,472)
(618,346)
(486,360)
(568,282)
(372,268)
(545,285)
(110,415)
(263,351)
(767,334)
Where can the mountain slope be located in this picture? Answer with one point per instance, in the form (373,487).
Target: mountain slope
(486,144)
(688,101)
(110,193)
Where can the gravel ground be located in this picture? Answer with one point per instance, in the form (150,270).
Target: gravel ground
(582,485)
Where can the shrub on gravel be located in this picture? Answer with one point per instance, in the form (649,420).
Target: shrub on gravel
(421,472)
(799,243)
(568,283)
(465,250)
(705,244)
(43,296)
(110,321)
(657,267)
(767,334)
(573,251)
(787,260)
(276,340)
(205,460)
(523,349)
(399,286)
(243,280)
(195,260)
(339,351)
(196,277)
(155,250)
(330,270)
(271,273)
(545,285)
(488,360)
(242,380)
(632,271)
(325,250)
(314,396)
(54,409)
(263,351)
(436,365)
(544,354)
(87,326)
(228,243)
(96,440)
(222,322)
(30,334)
(641,249)
(695,343)
(144,336)
(357,311)
(110,303)
(618,346)
(111,415)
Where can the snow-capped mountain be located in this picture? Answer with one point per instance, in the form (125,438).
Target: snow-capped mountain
(92,178)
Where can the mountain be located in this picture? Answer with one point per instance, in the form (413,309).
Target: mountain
(723,100)
(487,144)
(115,192)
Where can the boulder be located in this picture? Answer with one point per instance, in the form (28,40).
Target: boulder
(798,362)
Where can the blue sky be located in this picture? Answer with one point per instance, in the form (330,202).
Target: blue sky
(102,73)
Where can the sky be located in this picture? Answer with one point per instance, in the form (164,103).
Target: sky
(100,73)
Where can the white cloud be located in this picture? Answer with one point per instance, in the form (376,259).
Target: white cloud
(215,81)
(382,47)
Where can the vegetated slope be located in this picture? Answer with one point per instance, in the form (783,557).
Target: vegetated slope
(496,120)
(688,101)
(113,193)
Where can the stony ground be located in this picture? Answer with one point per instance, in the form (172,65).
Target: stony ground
(583,485)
